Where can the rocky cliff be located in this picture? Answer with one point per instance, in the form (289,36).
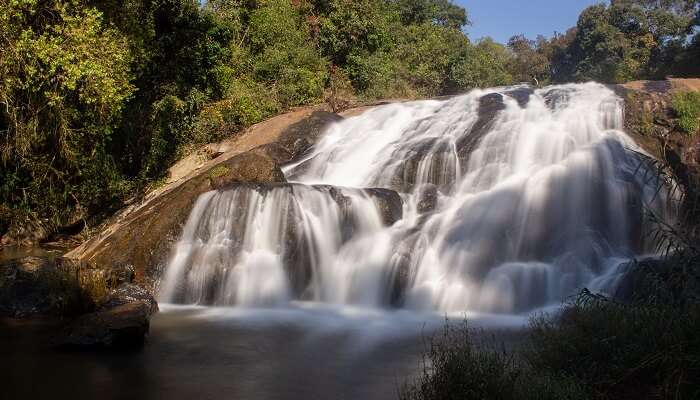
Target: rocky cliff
(652,122)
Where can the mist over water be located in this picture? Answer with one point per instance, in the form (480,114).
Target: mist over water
(510,200)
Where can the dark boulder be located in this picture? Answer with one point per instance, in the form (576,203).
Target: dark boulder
(427,198)
(247,167)
(299,138)
(521,95)
(121,320)
(490,106)
(125,325)
(388,203)
(39,286)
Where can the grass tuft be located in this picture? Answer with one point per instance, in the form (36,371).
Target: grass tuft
(686,105)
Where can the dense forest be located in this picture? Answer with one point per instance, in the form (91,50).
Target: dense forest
(99,98)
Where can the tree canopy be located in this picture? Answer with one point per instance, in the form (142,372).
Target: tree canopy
(99,98)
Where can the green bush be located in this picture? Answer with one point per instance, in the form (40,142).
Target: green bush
(63,85)
(594,348)
(457,367)
(247,103)
(619,349)
(686,105)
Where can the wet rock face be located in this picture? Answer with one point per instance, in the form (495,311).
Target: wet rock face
(652,123)
(489,107)
(389,204)
(299,138)
(427,199)
(521,95)
(556,97)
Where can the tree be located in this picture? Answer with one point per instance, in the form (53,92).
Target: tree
(440,12)
(64,79)
(484,65)
(530,62)
(628,39)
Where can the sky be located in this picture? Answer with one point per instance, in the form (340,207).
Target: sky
(502,19)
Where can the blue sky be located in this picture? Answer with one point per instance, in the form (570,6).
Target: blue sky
(502,19)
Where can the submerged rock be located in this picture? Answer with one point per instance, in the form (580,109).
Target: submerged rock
(124,325)
(122,319)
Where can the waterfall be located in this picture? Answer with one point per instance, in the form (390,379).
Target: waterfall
(501,200)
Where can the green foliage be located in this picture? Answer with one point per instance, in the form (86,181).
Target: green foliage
(248,103)
(629,40)
(219,171)
(531,59)
(353,27)
(441,12)
(64,78)
(484,65)
(594,348)
(620,349)
(285,56)
(100,98)
(686,105)
(456,366)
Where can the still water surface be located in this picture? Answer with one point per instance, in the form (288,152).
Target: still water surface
(307,351)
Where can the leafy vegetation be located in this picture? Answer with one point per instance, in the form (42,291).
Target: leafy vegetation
(458,366)
(686,105)
(641,344)
(99,98)
(617,42)
(594,348)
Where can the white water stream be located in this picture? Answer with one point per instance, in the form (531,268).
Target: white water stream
(507,207)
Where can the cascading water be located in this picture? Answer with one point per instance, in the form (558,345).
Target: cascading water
(510,199)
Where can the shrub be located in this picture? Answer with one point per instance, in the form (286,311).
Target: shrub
(247,103)
(340,95)
(686,105)
(64,79)
(621,349)
(457,367)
